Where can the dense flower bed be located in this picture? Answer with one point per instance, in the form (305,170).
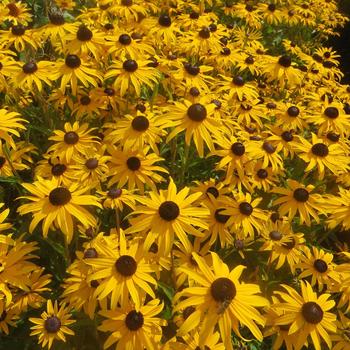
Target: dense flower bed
(174,175)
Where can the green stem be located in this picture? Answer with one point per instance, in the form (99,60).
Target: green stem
(184,164)
(117,221)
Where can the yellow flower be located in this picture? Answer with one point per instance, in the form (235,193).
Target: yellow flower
(134,328)
(55,205)
(167,213)
(53,324)
(220,298)
(307,315)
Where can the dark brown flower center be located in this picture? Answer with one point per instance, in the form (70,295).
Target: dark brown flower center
(249,7)
(268,147)
(287,136)
(262,174)
(125,39)
(320,265)
(223,289)
(134,320)
(52,324)
(217,103)
(84,33)
(71,138)
(245,208)
(213,190)
(194,92)
(285,61)
(301,195)
(72,61)
(94,284)
(30,67)
(331,112)
(164,20)
(271,7)
(59,196)
(312,312)
(18,30)
(130,66)
(225,51)
(222,218)
(90,253)
(91,163)
(197,112)
(249,60)
(192,70)
(115,193)
(204,33)
(109,91)
(56,18)
(275,235)
(141,107)
(238,149)
(194,15)
(133,163)
(169,211)
(126,265)
(271,105)
(332,136)
(293,111)
(320,150)
(85,100)
(126,2)
(2,161)
(238,80)
(140,123)
(58,169)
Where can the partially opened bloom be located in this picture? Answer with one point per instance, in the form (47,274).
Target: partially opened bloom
(53,324)
(55,205)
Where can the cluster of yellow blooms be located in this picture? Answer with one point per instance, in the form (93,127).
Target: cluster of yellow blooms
(190,161)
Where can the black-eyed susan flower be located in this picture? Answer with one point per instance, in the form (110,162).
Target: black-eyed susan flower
(123,273)
(53,324)
(319,155)
(198,122)
(117,198)
(166,214)
(320,266)
(307,314)
(222,299)
(136,132)
(134,168)
(244,215)
(32,75)
(55,205)
(18,36)
(298,199)
(74,140)
(16,12)
(192,342)
(84,41)
(74,69)
(130,74)
(137,328)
